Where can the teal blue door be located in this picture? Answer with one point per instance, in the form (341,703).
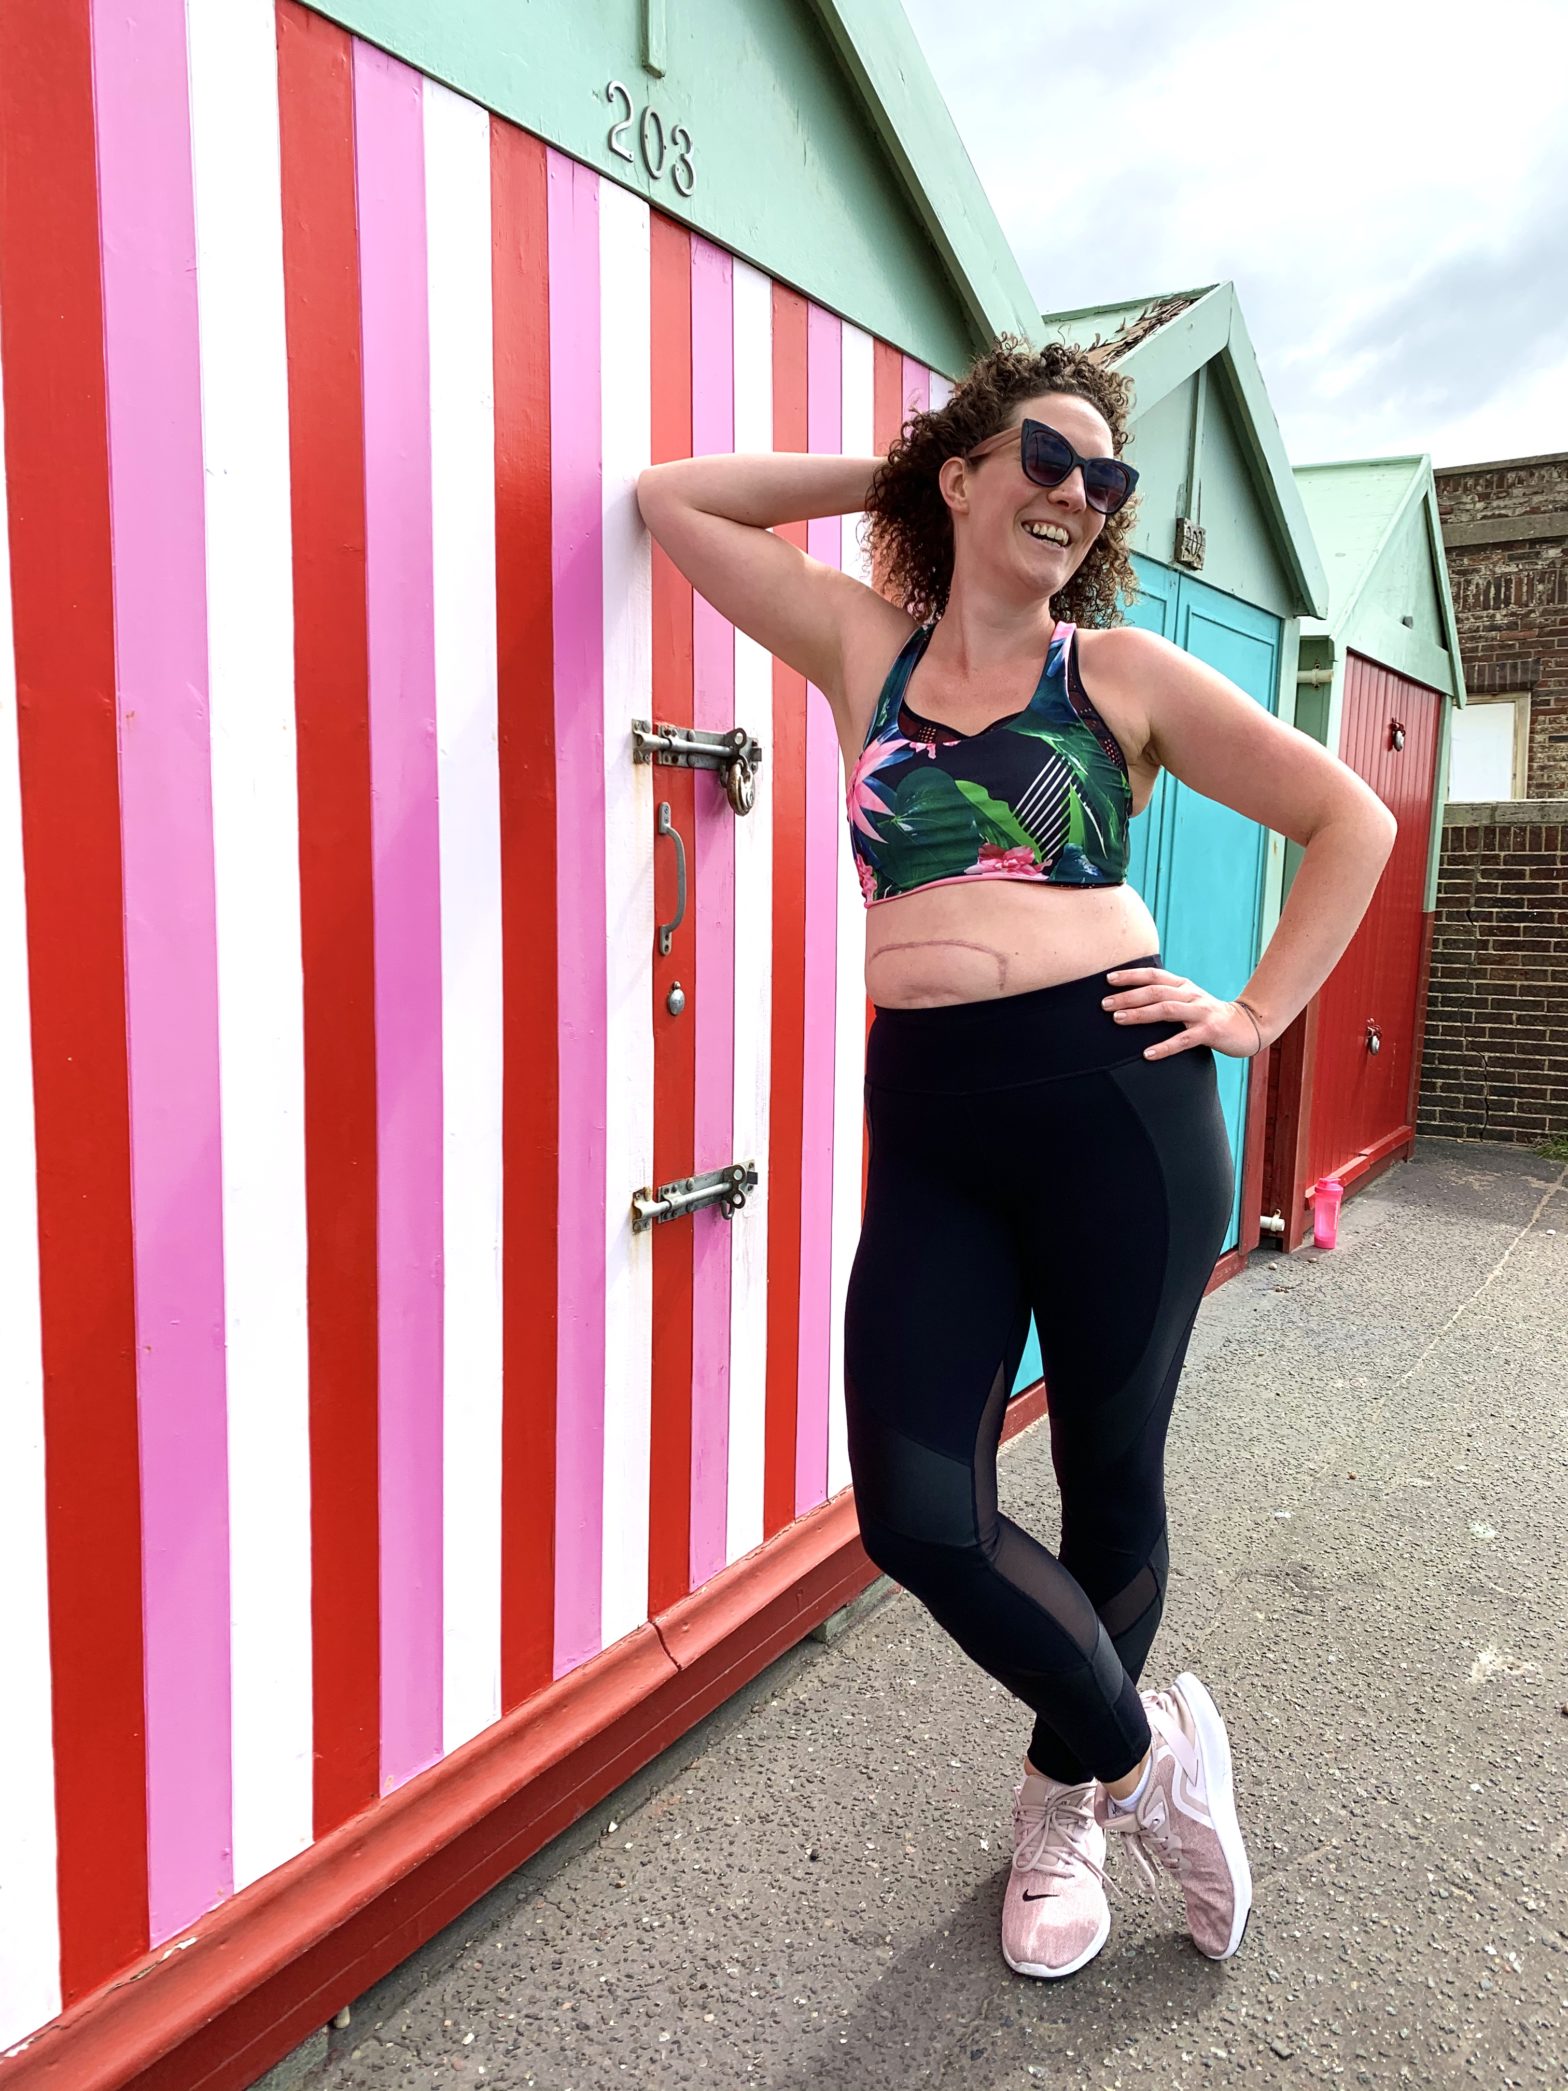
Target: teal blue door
(1198,865)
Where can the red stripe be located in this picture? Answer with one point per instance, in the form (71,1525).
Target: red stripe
(675,1039)
(887,376)
(57,472)
(789,970)
(887,414)
(267,1965)
(525,648)
(327,458)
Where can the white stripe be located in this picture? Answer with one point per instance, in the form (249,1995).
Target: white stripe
(625,353)
(941,389)
(1050,834)
(250,621)
(29,1910)
(753,335)
(858,377)
(462,483)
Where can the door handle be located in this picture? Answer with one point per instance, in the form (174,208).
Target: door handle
(667,929)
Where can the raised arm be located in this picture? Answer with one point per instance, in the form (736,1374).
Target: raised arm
(714,517)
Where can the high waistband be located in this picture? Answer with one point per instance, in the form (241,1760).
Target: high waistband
(1004,1041)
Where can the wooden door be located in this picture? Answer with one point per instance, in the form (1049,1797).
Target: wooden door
(1198,864)
(1360,1097)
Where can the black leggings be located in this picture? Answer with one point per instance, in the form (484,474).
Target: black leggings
(1025,1157)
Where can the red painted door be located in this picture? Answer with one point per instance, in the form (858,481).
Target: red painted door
(1368,1005)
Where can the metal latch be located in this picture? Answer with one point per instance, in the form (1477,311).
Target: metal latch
(736,755)
(726,1188)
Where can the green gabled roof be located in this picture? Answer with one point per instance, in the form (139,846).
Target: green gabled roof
(1358,508)
(1159,342)
(882,56)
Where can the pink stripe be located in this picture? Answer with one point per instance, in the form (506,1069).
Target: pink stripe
(577,573)
(713,650)
(917,386)
(823,802)
(157,514)
(406,871)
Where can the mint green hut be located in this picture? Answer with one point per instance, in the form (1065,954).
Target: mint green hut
(1227,568)
(1378,680)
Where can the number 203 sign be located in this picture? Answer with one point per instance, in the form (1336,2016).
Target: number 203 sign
(663,151)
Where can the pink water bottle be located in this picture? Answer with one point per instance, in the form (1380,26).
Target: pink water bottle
(1325,1211)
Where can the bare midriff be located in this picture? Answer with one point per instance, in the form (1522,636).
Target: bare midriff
(980,939)
(950,944)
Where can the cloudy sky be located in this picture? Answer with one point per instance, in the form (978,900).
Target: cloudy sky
(1385,183)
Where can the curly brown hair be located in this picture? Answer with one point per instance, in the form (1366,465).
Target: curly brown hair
(910,535)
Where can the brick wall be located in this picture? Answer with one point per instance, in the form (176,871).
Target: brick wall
(1505,533)
(1495,1061)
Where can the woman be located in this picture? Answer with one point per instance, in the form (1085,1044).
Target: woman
(1046,1135)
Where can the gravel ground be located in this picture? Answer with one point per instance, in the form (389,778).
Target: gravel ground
(1368,1489)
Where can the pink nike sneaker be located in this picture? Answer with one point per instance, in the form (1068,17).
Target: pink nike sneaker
(1186,1820)
(1054,1912)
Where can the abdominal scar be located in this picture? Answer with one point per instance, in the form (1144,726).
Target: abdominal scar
(957,943)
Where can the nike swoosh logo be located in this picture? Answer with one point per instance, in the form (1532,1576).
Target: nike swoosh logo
(1043,1896)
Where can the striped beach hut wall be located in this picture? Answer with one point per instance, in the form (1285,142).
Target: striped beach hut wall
(374,1495)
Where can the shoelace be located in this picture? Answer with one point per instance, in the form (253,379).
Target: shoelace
(1140,1841)
(1156,1847)
(1044,1834)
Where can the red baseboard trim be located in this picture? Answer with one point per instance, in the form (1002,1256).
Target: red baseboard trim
(1230,1265)
(1024,1409)
(216,2009)
(1359,1169)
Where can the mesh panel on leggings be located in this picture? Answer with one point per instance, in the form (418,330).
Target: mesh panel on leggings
(1147,1587)
(915,1504)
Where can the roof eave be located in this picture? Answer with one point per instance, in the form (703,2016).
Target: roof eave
(1194,292)
(1445,596)
(1212,331)
(883,59)
(1273,467)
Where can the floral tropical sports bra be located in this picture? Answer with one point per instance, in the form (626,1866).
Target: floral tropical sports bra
(1042,795)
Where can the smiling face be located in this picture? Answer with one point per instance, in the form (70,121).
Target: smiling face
(1010,535)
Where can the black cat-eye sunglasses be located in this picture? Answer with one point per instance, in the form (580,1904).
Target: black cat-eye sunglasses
(1048,458)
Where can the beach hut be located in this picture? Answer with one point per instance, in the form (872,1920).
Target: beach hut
(431,1017)
(1379,680)
(1227,568)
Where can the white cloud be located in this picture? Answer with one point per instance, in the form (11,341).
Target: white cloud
(1332,159)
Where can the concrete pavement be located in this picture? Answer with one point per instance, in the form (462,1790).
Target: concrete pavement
(1368,1489)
